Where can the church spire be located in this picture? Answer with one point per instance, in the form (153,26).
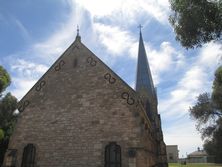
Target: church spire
(144,81)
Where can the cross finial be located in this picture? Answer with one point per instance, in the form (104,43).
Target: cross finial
(78,36)
(140,27)
(77,30)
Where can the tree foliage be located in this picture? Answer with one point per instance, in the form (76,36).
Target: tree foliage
(196,22)
(7,115)
(213,146)
(8,105)
(1,134)
(217,89)
(4,79)
(208,114)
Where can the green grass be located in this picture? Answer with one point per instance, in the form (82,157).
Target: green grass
(194,165)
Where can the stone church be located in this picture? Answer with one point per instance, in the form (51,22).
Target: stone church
(81,114)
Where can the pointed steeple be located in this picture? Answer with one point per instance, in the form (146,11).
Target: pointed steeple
(144,81)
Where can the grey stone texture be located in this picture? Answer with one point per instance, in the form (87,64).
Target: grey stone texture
(76,109)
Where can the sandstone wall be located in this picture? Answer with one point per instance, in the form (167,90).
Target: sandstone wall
(76,109)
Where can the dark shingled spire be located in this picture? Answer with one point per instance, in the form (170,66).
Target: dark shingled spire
(144,79)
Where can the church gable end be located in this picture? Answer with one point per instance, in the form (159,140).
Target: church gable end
(78,112)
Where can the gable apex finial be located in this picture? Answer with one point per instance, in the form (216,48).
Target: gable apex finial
(77,35)
(77,30)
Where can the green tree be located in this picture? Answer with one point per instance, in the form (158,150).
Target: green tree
(7,116)
(208,114)
(196,22)
(8,105)
(217,89)
(5,79)
(213,146)
(1,134)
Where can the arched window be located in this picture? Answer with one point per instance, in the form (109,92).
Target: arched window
(112,155)
(28,159)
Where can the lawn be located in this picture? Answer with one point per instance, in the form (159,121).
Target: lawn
(194,165)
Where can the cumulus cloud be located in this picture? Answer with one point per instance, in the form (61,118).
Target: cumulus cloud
(115,40)
(211,55)
(197,79)
(22,86)
(193,82)
(164,59)
(28,69)
(27,74)
(120,42)
(127,11)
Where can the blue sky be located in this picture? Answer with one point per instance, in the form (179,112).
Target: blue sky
(33,34)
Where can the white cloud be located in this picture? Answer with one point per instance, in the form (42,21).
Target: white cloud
(197,79)
(164,59)
(127,11)
(28,69)
(27,74)
(120,42)
(211,55)
(100,7)
(22,86)
(114,39)
(156,8)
